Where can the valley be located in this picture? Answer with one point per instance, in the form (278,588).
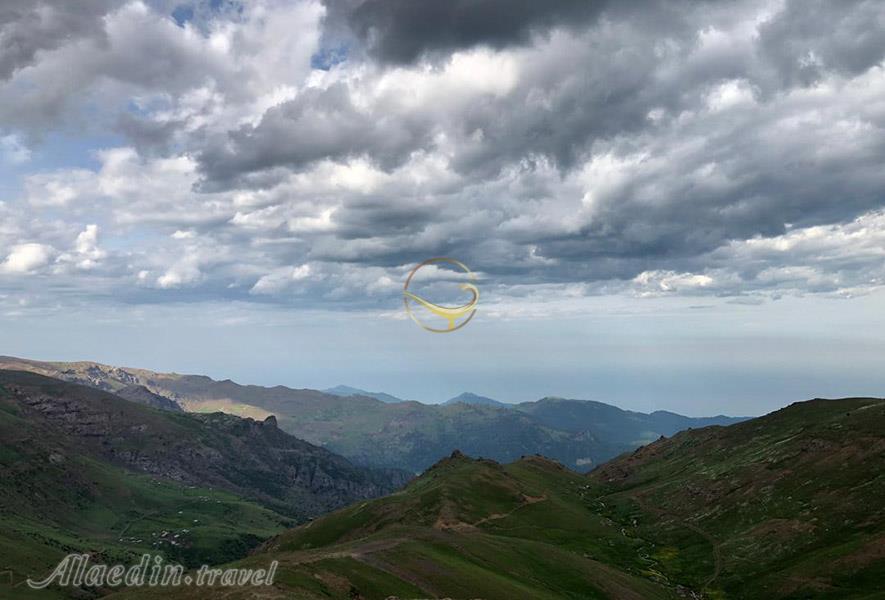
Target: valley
(781,506)
(406,435)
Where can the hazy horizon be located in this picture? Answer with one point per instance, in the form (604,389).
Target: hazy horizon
(709,361)
(675,209)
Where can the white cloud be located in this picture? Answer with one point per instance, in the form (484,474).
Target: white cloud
(86,246)
(281,279)
(654,282)
(182,273)
(60,188)
(27,258)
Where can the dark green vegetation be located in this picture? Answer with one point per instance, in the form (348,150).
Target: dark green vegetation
(465,529)
(785,506)
(84,470)
(407,435)
(789,505)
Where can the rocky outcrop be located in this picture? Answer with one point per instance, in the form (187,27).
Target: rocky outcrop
(142,395)
(252,458)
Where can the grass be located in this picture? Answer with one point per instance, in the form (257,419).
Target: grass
(58,498)
(786,506)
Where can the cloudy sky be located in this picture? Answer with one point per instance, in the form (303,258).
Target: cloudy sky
(668,204)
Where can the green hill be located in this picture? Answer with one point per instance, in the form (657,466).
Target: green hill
(84,470)
(789,505)
(784,506)
(465,529)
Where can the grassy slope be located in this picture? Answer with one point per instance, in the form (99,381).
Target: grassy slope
(785,506)
(465,529)
(789,505)
(68,482)
(56,499)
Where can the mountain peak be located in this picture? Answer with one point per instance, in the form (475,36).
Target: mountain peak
(542,461)
(474,399)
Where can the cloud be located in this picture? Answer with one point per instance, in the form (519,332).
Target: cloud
(27,258)
(319,124)
(123,61)
(808,40)
(400,31)
(87,248)
(280,279)
(28,27)
(13,151)
(57,189)
(643,149)
(652,282)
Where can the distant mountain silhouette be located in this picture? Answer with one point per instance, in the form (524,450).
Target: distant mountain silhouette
(405,434)
(346,390)
(471,398)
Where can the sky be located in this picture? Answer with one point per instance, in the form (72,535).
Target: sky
(666,205)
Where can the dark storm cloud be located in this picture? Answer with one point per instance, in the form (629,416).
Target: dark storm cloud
(810,38)
(319,124)
(401,31)
(756,185)
(374,217)
(601,84)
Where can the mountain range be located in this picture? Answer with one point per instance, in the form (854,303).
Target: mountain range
(788,505)
(406,435)
(83,469)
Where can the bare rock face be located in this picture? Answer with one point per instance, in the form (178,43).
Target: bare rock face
(142,395)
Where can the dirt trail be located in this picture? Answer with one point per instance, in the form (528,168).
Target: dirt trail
(527,501)
(447,521)
(358,552)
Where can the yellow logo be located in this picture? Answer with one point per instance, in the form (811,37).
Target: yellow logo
(449,313)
